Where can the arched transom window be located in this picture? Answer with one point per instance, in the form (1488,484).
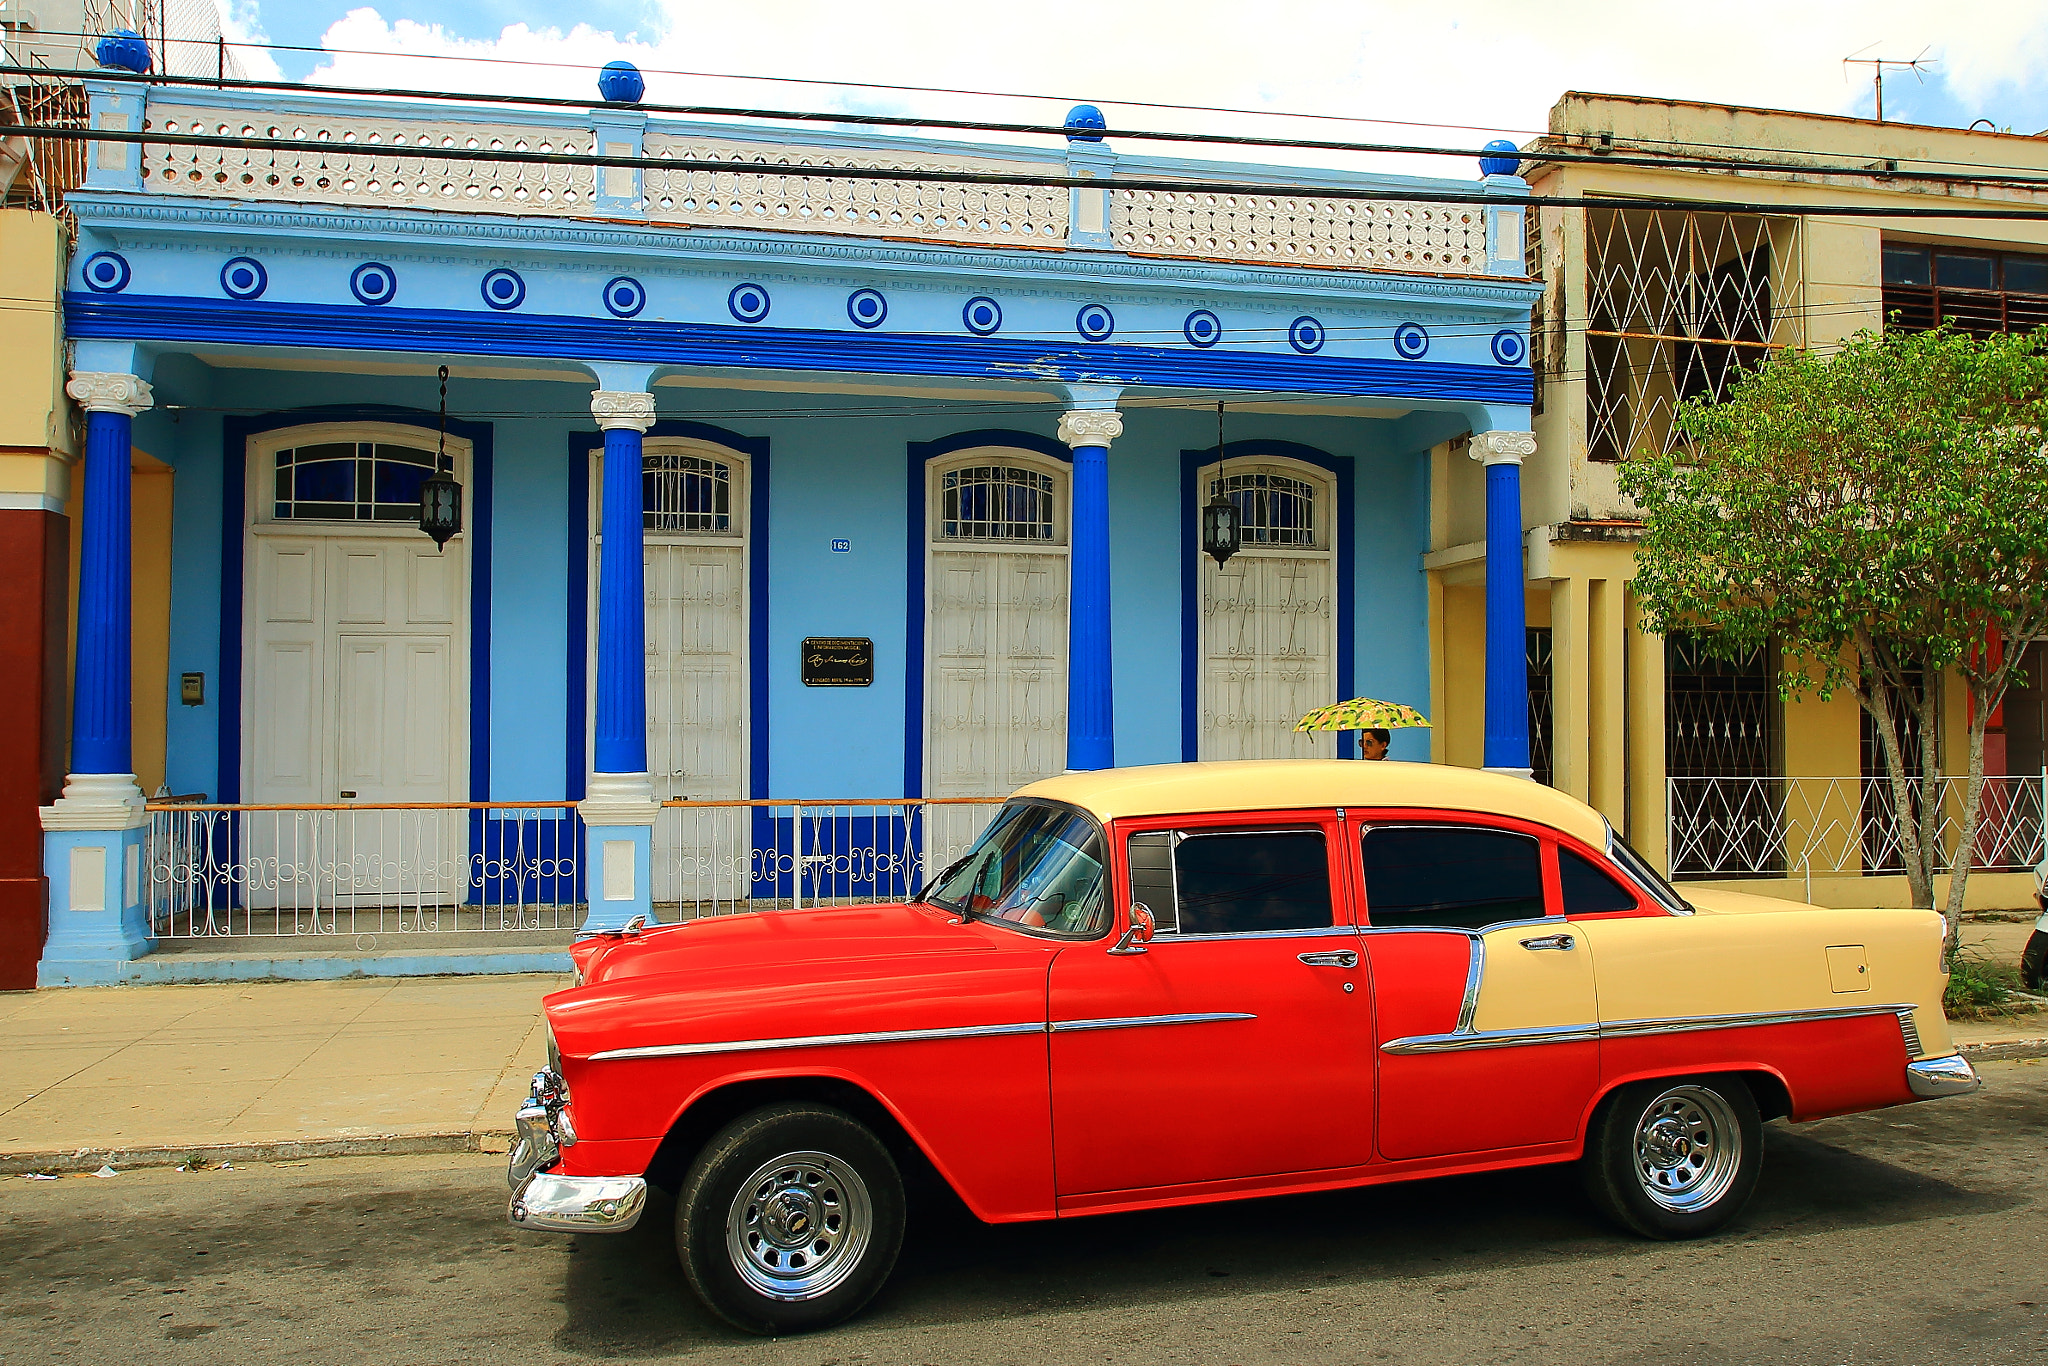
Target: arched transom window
(996,503)
(686,493)
(1275,509)
(350,481)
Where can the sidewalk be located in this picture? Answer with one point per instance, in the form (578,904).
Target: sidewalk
(150,1075)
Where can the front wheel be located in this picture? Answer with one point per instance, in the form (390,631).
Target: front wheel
(1674,1158)
(790,1219)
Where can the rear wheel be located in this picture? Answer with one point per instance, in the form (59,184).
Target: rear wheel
(790,1218)
(1674,1158)
(2034,961)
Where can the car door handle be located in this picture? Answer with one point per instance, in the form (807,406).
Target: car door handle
(1549,941)
(1331,958)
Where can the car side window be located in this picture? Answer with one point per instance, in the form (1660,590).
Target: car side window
(1232,881)
(1587,888)
(1454,876)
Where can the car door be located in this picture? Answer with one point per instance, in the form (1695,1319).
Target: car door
(1486,1017)
(1237,1044)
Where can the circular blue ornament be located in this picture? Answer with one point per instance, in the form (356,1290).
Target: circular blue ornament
(1411,341)
(748,303)
(244,278)
(1506,164)
(621,83)
(504,289)
(623,296)
(1202,328)
(106,272)
(866,307)
(1085,123)
(373,282)
(123,50)
(1306,335)
(982,316)
(1095,322)
(1509,347)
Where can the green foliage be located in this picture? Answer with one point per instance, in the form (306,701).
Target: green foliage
(1980,987)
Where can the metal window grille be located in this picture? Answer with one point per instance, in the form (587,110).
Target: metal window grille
(1537,646)
(686,493)
(1677,305)
(1881,852)
(1718,720)
(1981,293)
(996,503)
(350,481)
(1273,508)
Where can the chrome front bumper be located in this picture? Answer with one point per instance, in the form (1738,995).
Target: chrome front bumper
(543,1199)
(1933,1077)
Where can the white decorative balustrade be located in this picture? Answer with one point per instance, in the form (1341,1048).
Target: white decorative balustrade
(1301,230)
(1796,827)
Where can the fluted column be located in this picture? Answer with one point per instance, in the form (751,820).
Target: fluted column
(1507,670)
(1091,721)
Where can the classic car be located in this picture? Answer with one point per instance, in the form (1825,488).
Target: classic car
(1157,986)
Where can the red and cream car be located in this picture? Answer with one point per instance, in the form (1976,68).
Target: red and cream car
(1158,986)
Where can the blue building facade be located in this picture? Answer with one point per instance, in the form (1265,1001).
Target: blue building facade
(777,482)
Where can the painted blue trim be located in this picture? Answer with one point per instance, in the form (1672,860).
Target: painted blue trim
(259,278)
(749,302)
(583,447)
(101,698)
(1344,469)
(362,279)
(619,738)
(511,300)
(1091,655)
(921,454)
(115,283)
(481,333)
(635,297)
(235,434)
(1411,341)
(1507,670)
(1095,322)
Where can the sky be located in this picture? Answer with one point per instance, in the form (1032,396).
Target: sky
(1440,72)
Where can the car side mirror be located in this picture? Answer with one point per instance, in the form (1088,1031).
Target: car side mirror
(1139,932)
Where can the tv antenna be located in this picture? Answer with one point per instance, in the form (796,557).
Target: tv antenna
(1918,66)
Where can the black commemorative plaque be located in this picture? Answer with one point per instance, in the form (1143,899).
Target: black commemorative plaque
(838,662)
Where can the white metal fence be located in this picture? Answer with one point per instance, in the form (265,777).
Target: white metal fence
(1795,827)
(363,870)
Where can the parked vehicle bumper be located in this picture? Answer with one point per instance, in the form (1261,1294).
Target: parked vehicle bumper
(1950,1076)
(548,1202)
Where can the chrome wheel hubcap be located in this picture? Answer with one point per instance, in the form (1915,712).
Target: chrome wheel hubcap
(798,1226)
(1688,1148)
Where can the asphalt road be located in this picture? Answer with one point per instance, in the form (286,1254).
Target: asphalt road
(1909,1236)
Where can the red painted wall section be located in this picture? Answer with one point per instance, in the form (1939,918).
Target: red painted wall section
(34,560)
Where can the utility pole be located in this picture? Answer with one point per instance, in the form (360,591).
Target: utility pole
(1877,65)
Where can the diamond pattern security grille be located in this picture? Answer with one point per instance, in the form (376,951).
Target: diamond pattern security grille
(1881,853)
(1677,304)
(1538,643)
(1718,719)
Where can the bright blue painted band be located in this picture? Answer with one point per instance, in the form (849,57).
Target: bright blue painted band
(100,705)
(621,740)
(1091,725)
(481,333)
(1507,665)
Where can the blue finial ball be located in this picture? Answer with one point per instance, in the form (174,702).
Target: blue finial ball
(1085,123)
(1501,165)
(621,83)
(123,50)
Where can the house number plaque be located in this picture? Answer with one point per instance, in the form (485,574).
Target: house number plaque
(838,662)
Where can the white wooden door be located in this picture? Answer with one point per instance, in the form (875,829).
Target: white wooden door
(356,698)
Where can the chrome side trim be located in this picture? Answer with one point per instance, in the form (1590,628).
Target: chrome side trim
(687,1050)
(1493,1038)
(1464,1039)
(1910,1032)
(1145,1021)
(1475,969)
(1932,1078)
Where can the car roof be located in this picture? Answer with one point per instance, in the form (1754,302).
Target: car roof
(1284,784)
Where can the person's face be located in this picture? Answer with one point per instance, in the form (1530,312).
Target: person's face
(1371,747)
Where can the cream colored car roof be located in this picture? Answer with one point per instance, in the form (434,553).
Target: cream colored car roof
(1280,784)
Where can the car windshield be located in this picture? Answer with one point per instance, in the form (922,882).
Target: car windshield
(1035,866)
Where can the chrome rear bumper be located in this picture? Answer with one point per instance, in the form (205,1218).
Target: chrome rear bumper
(549,1203)
(1950,1076)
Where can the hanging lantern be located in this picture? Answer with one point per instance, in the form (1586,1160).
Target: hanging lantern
(440,495)
(1222,523)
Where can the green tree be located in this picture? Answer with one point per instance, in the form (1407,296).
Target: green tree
(1878,511)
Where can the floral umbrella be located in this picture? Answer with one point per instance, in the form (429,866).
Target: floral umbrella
(1361,713)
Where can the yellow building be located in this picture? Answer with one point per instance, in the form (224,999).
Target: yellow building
(1699,761)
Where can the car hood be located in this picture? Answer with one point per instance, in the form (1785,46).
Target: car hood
(777,938)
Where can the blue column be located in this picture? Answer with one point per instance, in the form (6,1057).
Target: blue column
(1091,721)
(100,695)
(1507,671)
(621,741)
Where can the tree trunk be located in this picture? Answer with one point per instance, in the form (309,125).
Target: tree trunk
(1966,850)
(1876,691)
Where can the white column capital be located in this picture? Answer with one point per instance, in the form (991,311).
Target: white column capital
(97,801)
(1502,448)
(1091,426)
(619,799)
(622,408)
(101,391)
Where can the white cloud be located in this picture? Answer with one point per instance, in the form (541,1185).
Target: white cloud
(1494,64)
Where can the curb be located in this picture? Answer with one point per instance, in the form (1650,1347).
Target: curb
(373,1145)
(2005,1049)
